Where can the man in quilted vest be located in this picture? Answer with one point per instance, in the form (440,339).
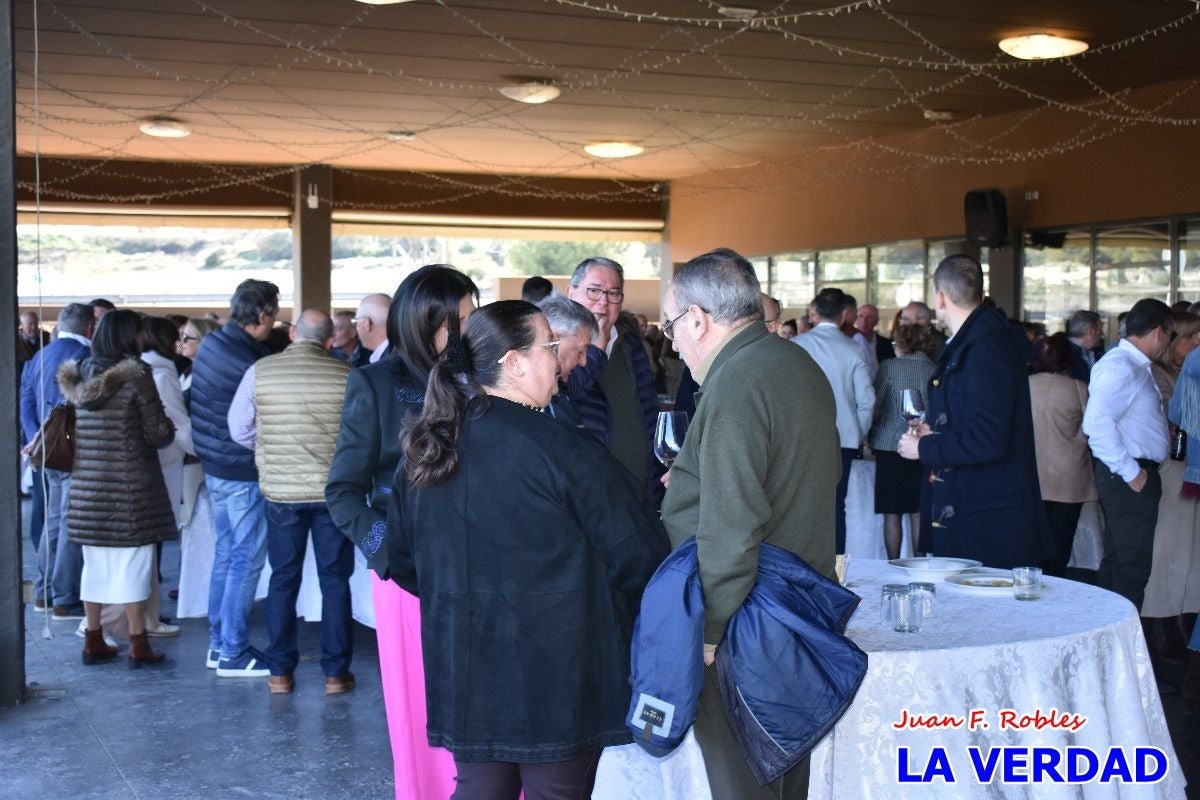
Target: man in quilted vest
(292,434)
(232,478)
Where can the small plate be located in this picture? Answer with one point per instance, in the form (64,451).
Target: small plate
(984,581)
(933,568)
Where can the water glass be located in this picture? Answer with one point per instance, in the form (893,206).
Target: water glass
(910,605)
(928,594)
(889,604)
(1027,583)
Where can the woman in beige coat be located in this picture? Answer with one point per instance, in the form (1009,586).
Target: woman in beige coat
(1063,460)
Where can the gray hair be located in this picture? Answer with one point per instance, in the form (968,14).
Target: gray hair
(596,261)
(314,325)
(75,318)
(722,283)
(1081,322)
(566,316)
(960,278)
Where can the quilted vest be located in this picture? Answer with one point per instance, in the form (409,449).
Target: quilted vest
(224,357)
(298,395)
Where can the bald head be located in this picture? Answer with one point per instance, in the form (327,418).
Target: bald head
(371,320)
(314,325)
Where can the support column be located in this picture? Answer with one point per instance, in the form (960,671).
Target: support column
(12,611)
(312,238)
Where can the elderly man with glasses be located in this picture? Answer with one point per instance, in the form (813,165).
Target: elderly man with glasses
(759,464)
(614,389)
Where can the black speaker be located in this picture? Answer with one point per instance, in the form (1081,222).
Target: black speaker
(987,218)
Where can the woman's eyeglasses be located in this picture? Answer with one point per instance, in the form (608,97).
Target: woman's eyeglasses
(552,345)
(183,337)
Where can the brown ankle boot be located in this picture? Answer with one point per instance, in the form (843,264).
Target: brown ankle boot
(95,649)
(141,653)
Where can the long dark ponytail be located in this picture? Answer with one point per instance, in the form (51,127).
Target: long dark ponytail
(456,384)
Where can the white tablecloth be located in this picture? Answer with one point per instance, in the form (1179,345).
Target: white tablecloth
(1079,649)
(198,542)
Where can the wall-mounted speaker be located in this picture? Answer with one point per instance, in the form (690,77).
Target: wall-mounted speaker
(986,216)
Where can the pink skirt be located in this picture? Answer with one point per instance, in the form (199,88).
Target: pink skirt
(422,772)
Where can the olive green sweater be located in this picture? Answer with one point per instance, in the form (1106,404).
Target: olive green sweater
(760,463)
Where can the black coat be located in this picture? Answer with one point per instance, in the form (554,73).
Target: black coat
(985,503)
(378,397)
(530,564)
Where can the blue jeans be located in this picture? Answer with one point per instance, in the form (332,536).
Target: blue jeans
(237,562)
(288,525)
(60,561)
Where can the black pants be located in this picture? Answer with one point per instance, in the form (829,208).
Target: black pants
(503,780)
(1129,520)
(1063,519)
(729,776)
(848,454)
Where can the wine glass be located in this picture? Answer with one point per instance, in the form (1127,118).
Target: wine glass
(668,436)
(912,408)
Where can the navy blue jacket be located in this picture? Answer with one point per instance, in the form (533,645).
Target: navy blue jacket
(39,381)
(787,672)
(223,359)
(985,502)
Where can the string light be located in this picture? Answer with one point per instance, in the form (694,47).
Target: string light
(704,134)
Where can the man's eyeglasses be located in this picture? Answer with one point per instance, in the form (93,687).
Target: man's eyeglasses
(668,328)
(595,292)
(552,345)
(357,320)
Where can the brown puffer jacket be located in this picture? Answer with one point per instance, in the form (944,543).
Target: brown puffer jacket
(117,497)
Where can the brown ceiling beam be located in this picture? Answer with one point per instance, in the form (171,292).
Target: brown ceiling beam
(142,184)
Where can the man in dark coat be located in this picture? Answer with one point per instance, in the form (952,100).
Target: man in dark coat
(60,561)
(983,500)
(1084,332)
(614,388)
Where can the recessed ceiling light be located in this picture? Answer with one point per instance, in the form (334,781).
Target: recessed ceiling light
(1036,46)
(401,136)
(613,149)
(737,12)
(532,92)
(382,2)
(164,128)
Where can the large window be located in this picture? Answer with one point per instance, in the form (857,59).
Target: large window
(1189,259)
(794,279)
(897,278)
(1057,277)
(845,270)
(1132,263)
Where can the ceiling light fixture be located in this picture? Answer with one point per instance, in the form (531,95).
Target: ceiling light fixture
(401,136)
(1037,46)
(737,12)
(938,114)
(613,149)
(164,128)
(532,92)
(382,2)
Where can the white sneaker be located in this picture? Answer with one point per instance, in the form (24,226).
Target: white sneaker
(212,658)
(81,632)
(163,629)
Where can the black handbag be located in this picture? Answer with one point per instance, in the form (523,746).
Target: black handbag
(53,446)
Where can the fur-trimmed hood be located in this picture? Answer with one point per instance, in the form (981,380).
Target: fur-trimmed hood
(83,387)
